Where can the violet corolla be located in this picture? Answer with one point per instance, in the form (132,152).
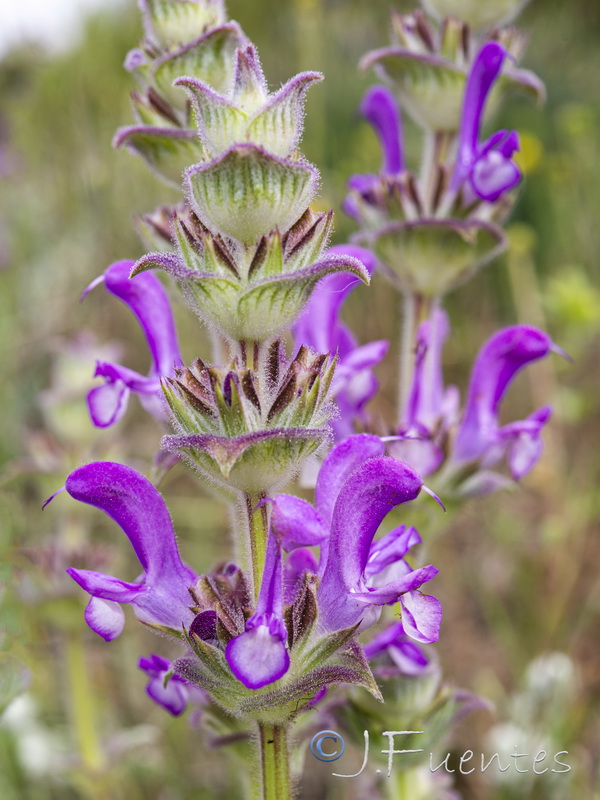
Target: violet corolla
(404,656)
(487,167)
(148,301)
(170,691)
(472,441)
(357,487)
(259,656)
(161,597)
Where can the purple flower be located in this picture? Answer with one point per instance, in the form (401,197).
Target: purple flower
(173,696)
(486,169)
(160,596)
(407,657)
(381,110)
(432,412)
(480,437)
(259,656)
(431,409)
(320,328)
(356,488)
(147,299)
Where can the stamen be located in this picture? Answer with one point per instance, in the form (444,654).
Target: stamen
(96,282)
(52,496)
(435,497)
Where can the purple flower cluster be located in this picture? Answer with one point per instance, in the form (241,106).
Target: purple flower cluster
(483,171)
(357,487)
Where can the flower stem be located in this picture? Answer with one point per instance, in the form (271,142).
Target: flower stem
(416,309)
(274,763)
(405,785)
(82,697)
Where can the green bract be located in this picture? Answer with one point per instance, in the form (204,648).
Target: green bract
(428,69)
(248,434)
(251,293)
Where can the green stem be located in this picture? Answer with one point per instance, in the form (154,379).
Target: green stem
(82,706)
(416,309)
(404,785)
(274,763)
(407,342)
(258,531)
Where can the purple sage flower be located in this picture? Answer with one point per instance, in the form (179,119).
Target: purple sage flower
(259,656)
(406,656)
(160,596)
(320,328)
(486,170)
(146,298)
(176,693)
(380,109)
(479,435)
(356,488)
(432,417)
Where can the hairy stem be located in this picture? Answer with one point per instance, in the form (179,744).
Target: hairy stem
(274,763)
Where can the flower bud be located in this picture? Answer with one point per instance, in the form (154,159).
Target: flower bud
(476,13)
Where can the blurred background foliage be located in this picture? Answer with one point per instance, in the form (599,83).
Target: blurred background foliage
(519,571)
